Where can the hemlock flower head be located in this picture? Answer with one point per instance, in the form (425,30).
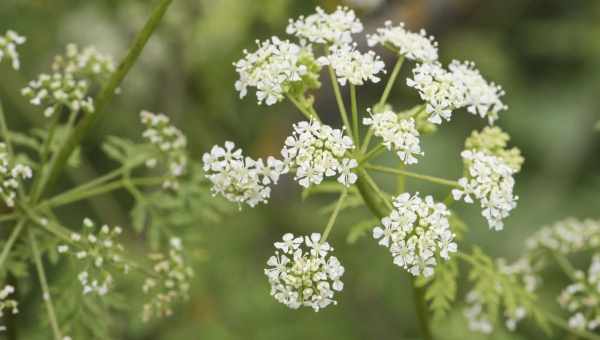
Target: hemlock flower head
(411,45)
(494,141)
(352,66)
(316,151)
(173,284)
(481,98)
(326,28)
(582,298)
(52,92)
(7,304)
(170,142)
(439,89)
(8,47)
(567,236)
(417,233)
(88,62)
(241,179)
(399,135)
(490,180)
(302,273)
(10,176)
(100,253)
(274,69)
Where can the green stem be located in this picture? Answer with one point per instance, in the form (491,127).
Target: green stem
(103,99)
(44,284)
(340,102)
(4,131)
(303,109)
(427,178)
(374,152)
(367,140)
(14,235)
(380,207)
(400,180)
(566,266)
(354,108)
(560,323)
(9,217)
(390,82)
(334,215)
(71,197)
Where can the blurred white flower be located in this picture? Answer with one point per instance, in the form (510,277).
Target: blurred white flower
(11,176)
(8,47)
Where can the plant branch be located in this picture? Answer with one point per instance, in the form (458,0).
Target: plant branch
(354,108)
(390,82)
(340,102)
(14,235)
(103,99)
(431,179)
(44,285)
(334,215)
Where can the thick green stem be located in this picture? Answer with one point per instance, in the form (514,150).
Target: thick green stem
(390,82)
(340,102)
(104,97)
(379,208)
(44,285)
(334,215)
(354,109)
(427,178)
(14,235)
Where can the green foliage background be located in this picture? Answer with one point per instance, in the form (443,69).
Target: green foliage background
(546,54)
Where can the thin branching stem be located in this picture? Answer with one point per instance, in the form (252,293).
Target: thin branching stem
(4,131)
(14,235)
(373,153)
(105,96)
(334,215)
(427,178)
(354,109)
(390,82)
(44,285)
(307,110)
(340,102)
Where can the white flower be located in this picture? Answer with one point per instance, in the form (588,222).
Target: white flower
(59,90)
(478,319)
(317,151)
(481,98)
(327,28)
(303,274)
(439,89)
(170,142)
(417,232)
(414,46)
(88,63)
(352,66)
(8,47)
(399,135)
(11,176)
(272,68)
(567,236)
(7,304)
(239,179)
(581,298)
(490,180)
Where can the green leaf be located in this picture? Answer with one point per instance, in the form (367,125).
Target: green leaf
(441,291)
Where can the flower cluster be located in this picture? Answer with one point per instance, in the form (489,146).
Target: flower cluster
(438,88)
(6,303)
(273,68)
(399,135)
(567,236)
(417,232)
(317,151)
(73,74)
(481,97)
(241,179)
(302,274)
(411,45)
(57,90)
(352,66)
(493,141)
(8,47)
(460,86)
(490,180)
(10,176)
(478,320)
(170,142)
(582,298)
(173,284)
(88,62)
(327,28)
(99,252)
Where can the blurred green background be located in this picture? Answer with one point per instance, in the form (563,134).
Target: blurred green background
(546,55)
